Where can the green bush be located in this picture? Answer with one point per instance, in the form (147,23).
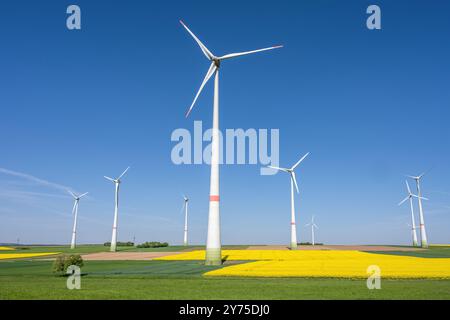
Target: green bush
(64,261)
(120,244)
(153,244)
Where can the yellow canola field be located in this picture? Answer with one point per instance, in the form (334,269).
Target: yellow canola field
(322,263)
(243,255)
(4,256)
(6,248)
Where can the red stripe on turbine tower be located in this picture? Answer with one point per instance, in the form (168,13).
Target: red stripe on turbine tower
(214,198)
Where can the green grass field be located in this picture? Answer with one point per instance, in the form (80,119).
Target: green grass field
(432,252)
(33,279)
(184,280)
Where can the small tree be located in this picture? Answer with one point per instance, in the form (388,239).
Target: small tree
(58,264)
(64,261)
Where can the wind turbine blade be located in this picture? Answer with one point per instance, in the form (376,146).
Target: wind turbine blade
(123,173)
(83,195)
(423,198)
(407,186)
(205,50)
(423,173)
(210,72)
(403,201)
(73,194)
(308,224)
(315,226)
(426,172)
(182,207)
(298,162)
(295,181)
(277,168)
(238,54)
(412,177)
(111,179)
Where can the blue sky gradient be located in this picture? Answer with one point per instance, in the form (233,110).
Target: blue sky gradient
(370,106)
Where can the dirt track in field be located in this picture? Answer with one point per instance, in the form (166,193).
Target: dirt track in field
(338,247)
(123,256)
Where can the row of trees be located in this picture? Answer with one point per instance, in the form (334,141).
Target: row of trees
(152,244)
(120,244)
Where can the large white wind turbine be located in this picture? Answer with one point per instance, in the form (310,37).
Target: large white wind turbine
(213,245)
(75,216)
(293,183)
(413,221)
(423,233)
(313,225)
(185,207)
(116,209)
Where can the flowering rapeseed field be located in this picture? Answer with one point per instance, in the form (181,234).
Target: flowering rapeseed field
(322,263)
(4,256)
(5,248)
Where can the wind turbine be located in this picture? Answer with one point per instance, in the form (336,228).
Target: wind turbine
(213,245)
(413,222)
(423,233)
(185,207)
(116,209)
(313,225)
(293,183)
(75,216)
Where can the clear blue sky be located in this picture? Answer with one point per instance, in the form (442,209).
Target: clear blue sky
(370,106)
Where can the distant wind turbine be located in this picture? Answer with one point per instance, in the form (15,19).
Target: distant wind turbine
(116,209)
(185,207)
(75,216)
(413,221)
(213,244)
(423,233)
(313,225)
(293,183)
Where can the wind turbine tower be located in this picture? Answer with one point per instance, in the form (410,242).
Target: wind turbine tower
(423,232)
(116,209)
(413,220)
(186,202)
(75,216)
(313,225)
(293,183)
